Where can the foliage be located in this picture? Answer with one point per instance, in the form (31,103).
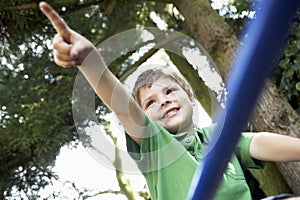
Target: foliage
(288,77)
(236,12)
(36,119)
(35,102)
(36,115)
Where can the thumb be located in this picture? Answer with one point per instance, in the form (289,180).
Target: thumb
(74,53)
(80,48)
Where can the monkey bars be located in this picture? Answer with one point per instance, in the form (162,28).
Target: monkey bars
(259,48)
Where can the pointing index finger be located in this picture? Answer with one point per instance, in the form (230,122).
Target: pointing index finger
(60,26)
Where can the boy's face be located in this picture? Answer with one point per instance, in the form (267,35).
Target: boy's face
(166,103)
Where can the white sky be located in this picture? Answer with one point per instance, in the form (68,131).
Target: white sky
(78,166)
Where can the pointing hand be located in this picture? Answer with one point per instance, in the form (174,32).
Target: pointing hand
(70,48)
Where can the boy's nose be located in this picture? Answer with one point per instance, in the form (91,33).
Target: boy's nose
(165,102)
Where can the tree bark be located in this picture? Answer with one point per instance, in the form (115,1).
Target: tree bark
(273,113)
(210,30)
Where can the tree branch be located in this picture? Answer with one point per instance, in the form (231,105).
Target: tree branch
(150,53)
(103,192)
(22,7)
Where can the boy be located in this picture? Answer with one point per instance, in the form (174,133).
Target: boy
(162,136)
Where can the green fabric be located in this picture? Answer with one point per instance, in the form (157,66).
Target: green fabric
(168,163)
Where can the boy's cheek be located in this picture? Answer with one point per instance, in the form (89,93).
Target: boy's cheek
(151,114)
(148,113)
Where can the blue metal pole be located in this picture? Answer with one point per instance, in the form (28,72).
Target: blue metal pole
(260,47)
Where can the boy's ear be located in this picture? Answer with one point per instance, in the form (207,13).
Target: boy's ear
(192,98)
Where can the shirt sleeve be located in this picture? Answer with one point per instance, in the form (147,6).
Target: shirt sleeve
(133,148)
(243,153)
(242,150)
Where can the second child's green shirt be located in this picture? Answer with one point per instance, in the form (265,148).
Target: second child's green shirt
(168,163)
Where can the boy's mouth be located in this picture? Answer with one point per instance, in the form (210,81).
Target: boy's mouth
(171,112)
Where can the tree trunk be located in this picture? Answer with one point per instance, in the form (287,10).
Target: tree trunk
(273,112)
(210,30)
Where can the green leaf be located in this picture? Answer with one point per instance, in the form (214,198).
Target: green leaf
(298,86)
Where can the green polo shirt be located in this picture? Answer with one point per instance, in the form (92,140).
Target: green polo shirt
(168,163)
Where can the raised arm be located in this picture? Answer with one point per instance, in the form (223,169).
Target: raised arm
(70,48)
(275,147)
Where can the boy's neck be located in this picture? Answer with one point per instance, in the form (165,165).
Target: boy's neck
(190,130)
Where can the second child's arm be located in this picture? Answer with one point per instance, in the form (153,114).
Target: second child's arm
(275,147)
(70,48)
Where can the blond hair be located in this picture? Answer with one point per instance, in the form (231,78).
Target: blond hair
(148,77)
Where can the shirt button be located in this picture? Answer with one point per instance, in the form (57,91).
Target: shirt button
(188,140)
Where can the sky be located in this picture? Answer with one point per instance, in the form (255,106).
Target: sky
(78,166)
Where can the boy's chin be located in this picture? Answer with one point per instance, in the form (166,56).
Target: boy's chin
(172,130)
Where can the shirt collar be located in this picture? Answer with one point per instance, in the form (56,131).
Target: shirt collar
(191,142)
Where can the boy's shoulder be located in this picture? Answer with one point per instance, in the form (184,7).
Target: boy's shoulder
(205,133)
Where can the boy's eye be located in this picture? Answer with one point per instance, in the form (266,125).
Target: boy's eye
(149,103)
(170,90)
